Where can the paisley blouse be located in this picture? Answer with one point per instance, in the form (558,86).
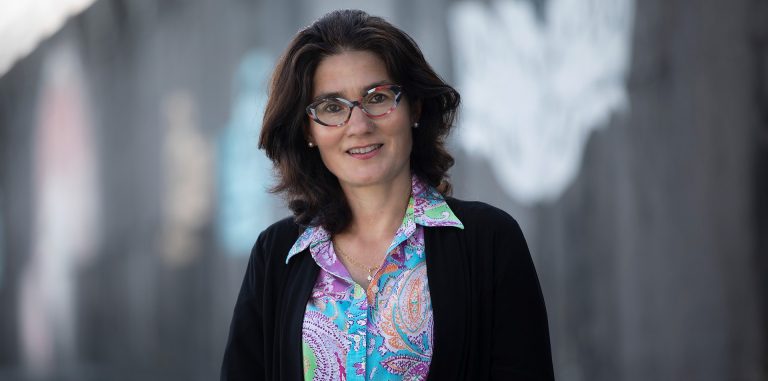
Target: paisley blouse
(384,332)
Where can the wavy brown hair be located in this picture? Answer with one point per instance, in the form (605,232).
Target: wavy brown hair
(313,193)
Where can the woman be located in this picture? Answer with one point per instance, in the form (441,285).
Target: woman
(378,275)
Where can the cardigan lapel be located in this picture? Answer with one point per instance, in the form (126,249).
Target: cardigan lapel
(447,277)
(300,278)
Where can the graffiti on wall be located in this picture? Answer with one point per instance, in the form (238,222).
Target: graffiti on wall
(26,23)
(535,85)
(187,200)
(245,172)
(65,203)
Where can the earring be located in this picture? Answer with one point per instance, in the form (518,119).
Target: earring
(416,125)
(310,144)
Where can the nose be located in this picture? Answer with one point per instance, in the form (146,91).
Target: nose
(358,122)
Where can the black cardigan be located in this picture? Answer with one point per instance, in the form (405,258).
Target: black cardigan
(489,316)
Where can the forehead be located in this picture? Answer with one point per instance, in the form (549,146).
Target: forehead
(349,73)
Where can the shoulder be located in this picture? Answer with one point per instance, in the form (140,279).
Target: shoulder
(488,228)
(492,237)
(276,240)
(284,228)
(479,215)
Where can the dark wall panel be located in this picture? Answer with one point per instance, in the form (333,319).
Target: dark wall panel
(652,262)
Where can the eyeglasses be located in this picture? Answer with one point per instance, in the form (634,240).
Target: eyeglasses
(336,111)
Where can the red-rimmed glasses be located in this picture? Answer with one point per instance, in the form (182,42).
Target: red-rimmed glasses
(336,111)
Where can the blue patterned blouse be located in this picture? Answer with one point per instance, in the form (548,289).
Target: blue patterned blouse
(384,332)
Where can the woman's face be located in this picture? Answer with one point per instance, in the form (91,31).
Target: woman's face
(364,151)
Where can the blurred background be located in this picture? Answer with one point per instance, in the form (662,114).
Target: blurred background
(628,137)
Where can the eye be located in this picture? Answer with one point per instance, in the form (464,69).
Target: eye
(378,98)
(330,107)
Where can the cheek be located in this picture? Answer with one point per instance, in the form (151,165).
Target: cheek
(327,144)
(406,133)
(320,134)
(404,143)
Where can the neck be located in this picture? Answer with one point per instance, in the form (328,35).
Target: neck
(378,210)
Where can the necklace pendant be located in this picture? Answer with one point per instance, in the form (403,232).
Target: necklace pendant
(370,278)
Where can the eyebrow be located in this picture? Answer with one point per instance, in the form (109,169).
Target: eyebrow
(336,94)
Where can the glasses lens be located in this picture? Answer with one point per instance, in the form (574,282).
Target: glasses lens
(332,112)
(380,101)
(377,102)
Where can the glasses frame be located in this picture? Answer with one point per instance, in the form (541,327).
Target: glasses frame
(397,89)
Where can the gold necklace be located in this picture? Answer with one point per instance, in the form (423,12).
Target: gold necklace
(371,270)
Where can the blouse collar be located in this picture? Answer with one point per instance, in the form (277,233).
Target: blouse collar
(426,207)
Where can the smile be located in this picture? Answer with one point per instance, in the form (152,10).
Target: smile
(364,150)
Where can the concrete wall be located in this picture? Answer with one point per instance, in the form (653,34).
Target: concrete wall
(651,261)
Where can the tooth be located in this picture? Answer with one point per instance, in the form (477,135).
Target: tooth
(364,149)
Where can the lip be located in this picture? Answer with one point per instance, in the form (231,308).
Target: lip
(367,155)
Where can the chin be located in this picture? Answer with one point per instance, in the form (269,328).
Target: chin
(368,179)
(360,181)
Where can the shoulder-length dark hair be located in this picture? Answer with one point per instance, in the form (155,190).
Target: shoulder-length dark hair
(313,193)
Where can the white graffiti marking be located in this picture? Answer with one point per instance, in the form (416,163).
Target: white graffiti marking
(534,88)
